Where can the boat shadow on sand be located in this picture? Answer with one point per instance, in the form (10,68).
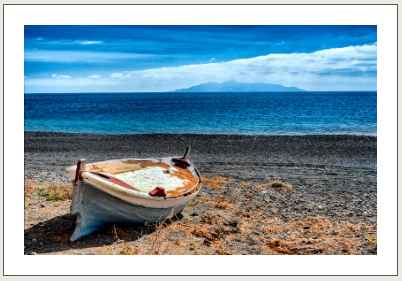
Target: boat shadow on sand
(53,235)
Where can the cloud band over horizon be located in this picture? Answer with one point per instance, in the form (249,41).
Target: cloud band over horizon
(351,68)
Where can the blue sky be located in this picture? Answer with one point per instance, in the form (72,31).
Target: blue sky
(69,59)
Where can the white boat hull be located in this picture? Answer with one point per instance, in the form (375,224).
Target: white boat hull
(94,208)
(97,201)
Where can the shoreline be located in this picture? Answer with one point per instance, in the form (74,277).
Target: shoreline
(202,134)
(205,134)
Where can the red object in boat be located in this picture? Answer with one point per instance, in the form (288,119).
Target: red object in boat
(183,162)
(158,191)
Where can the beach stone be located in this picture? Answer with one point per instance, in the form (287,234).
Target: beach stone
(264,192)
(33,253)
(320,207)
(192,248)
(34,240)
(42,205)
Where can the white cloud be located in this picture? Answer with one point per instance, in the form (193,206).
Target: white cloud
(89,42)
(61,76)
(120,75)
(78,56)
(349,68)
(332,69)
(94,77)
(116,75)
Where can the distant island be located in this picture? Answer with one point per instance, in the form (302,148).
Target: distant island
(234,86)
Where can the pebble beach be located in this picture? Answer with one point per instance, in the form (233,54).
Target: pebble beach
(331,179)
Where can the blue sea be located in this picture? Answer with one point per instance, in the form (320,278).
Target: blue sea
(262,113)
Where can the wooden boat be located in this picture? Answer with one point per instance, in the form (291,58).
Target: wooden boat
(131,191)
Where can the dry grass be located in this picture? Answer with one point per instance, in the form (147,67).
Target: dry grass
(215,182)
(305,237)
(243,184)
(317,235)
(56,191)
(122,248)
(28,187)
(209,218)
(310,236)
(371,238)
(280,186)
(222,252)
(221,205)
(249,195)
(194,203)
(259,187)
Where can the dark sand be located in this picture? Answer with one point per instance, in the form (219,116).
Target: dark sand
(332,176)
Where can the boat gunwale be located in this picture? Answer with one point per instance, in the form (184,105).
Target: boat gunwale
(137,194)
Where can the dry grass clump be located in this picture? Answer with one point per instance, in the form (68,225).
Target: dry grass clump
(205,232)
(243,184)
(222,252)
(259,187)
(209,218)
(128,250)
(249,195)
(215,182)
(123,248)
(222,203)
(371,238)
(280,186)
(28,187)
(277,184)
(56,191)
(194,203)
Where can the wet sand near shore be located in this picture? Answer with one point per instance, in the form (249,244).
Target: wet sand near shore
(331,182)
